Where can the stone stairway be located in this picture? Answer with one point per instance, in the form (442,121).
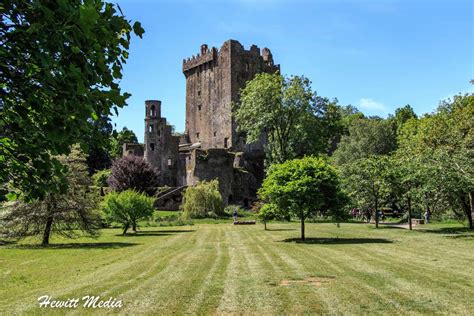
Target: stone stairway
(169,199)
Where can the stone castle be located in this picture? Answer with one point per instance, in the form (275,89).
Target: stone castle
(211,147)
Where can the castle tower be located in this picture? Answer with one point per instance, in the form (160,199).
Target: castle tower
(213,82)
(161,146)
(153,132)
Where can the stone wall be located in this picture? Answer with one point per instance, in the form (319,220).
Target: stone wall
(214,163)
(133,149)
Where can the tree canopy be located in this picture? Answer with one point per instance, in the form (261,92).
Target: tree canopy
(302,188)
(288,113)
(59,71)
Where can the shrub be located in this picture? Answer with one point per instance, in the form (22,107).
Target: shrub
(100,177)
(131,172)
(127,208)
(202,200)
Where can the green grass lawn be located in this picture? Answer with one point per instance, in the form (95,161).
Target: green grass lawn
(209,268)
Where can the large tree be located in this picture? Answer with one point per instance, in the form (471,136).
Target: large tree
(60,62)
(293,118)
(302,188)
(365,137)
(444,142)
(367,182)
(62,213)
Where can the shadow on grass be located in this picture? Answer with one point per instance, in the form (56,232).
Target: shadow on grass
(462,236)
(448,230)
(83,245)
(384,226)
(145,233)
(451,232)
(339,241)
(173,231)
(280,229)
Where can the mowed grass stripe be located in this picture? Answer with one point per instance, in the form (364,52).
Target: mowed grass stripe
(124,274)
(359,272)
(207,296)
(296,298)
(172,285)
(226,269)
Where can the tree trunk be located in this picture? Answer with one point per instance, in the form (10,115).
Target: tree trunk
(409,213)
(47,230)
(302,228)
(134,226)
(265,224)
(125,228)
(466,207)
(376,215)
(471,203)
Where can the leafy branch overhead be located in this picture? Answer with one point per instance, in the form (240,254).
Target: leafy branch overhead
(61,62)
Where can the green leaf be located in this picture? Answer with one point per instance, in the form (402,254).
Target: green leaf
(137,29)
(94,116)
(87,17)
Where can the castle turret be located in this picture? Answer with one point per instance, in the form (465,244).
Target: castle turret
(153,132)
(161,146)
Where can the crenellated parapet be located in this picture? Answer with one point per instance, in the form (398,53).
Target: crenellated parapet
(206,55)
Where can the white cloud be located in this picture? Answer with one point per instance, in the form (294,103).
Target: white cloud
(372,105)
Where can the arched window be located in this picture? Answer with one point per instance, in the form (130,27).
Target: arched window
(152,111)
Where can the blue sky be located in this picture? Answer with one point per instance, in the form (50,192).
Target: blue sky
(374,54)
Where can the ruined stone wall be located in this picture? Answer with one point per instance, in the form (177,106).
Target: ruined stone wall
(213,82)
(215,163)
(133,150)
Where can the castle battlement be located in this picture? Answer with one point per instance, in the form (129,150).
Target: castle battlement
(208,55)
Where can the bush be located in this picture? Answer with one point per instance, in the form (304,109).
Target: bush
(202,200)
(127,208)
(131,172)
(100,177)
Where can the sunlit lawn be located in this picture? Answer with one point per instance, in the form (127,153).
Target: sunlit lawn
(221,268)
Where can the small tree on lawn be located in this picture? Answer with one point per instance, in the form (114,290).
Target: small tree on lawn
(131,172)
(267,212)
(201,199)
(127,208)
(303,187)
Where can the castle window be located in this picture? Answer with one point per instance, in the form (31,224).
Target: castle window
(152,111)
(150,128)
(199,92)
(226,140)
(197,135)
(152,146)
(159,133)
(199,107)
(170,162)
(215,133)
(247,67)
